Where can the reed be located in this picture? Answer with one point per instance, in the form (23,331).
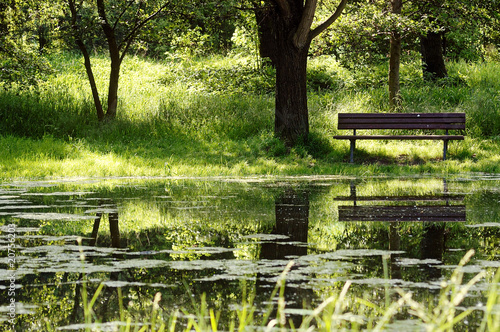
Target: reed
(338,312)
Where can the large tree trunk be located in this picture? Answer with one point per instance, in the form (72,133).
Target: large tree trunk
(433,65)
(291,114)
(285,35)
(291,121)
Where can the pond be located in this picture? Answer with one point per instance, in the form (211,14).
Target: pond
(231,239)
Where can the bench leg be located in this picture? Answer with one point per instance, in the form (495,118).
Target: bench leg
(353,146)
(445,148)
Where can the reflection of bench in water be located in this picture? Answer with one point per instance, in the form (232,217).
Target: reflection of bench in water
(431,213)
(429,208)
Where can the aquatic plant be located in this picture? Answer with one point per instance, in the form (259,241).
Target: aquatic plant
(339,312)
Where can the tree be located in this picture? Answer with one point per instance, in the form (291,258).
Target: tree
(431,41)
(287,25)
(20,62)
(395,59)
(451,22)
(433,65)
(120,22)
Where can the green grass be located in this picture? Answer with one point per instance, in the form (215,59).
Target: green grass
(338,312)
(214,116)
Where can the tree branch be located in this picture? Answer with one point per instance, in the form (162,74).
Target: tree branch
(130,37)
(323,26)
(300,38)
(130,3)
(107,28)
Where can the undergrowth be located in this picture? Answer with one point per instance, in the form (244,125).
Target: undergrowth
(215,115)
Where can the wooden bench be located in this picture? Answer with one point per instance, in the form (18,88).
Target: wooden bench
(402,121)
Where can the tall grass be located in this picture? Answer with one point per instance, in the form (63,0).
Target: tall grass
(219,112)
(234,96)
(339,312)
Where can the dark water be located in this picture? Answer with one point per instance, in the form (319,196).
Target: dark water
(229,238)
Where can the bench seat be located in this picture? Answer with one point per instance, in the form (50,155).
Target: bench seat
(401,121)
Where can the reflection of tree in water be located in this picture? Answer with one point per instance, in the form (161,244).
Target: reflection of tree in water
(182,284)
(433,242)
(292,220)
(103,308)
(394,245)
(114,231)
(432,246)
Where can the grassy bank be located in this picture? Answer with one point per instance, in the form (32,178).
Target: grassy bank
(214,117)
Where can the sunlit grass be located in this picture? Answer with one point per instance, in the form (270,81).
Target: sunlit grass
(38,159)
(214,116)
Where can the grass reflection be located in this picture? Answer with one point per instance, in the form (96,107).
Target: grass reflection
(340,311)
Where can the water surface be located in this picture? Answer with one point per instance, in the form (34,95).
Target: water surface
(230,237)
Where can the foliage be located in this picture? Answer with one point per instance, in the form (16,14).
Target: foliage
(241,76)
(190,28)
(361,35)
(20,58)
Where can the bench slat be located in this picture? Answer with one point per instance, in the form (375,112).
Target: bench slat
(401,121)
(401,137)
(401,115)
(400,125)
(412,198)
(398,120)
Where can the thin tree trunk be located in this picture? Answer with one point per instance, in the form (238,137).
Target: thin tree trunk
(114,53)
(113,90)
(395,61)
(93,85)
(87,63)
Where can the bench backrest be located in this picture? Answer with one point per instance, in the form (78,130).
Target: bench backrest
(401,121)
